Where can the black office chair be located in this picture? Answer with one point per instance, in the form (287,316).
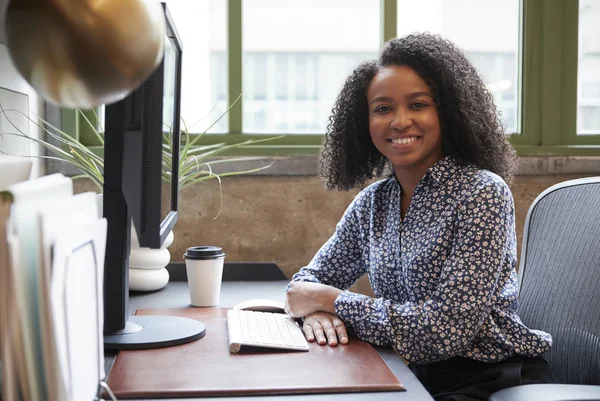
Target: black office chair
(559,278)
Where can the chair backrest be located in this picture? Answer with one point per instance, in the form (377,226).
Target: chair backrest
(559,277)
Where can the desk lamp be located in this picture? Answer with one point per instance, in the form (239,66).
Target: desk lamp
(84,53)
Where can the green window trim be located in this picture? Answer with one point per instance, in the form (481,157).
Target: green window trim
(234,64)
(548,80)
(74,124)
(389,18)
(549,89)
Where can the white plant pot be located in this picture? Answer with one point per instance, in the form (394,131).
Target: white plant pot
(147,267)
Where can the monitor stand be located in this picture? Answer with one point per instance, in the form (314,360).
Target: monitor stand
(147,332)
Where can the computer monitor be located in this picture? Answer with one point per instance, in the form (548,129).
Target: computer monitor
(134,137)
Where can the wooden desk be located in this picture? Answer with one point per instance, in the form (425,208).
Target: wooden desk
(176,295)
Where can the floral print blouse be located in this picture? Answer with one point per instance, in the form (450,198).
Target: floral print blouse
(444,278)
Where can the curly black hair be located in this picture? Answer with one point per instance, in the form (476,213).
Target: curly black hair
(472,131)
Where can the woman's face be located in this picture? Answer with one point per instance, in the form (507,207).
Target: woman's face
(403,119)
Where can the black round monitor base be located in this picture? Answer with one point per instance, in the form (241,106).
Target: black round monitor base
(155,332)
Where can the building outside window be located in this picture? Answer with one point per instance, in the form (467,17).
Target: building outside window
(588,85)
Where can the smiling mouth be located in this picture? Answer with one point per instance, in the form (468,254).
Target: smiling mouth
(403,141)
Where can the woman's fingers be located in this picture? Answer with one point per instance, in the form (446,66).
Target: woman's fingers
(330,332)
(325,328)
(318,332)
(340,329)
(308,330)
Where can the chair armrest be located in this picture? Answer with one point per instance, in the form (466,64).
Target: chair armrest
(548,392)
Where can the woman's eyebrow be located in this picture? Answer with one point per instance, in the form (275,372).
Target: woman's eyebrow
(409,96)
(417,94)
(381,99)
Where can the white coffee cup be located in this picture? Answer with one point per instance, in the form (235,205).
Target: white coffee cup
(204,266)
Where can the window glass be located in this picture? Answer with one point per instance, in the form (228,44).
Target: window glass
(202,27)
(588,76)
(488,32)
(305,59)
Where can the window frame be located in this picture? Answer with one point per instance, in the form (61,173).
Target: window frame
(549,81)
(547,112)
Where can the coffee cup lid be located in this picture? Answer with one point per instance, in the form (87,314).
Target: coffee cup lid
(204,252)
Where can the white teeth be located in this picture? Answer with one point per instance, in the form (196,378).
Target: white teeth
(403,141)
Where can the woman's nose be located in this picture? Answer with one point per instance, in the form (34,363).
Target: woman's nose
(401,120)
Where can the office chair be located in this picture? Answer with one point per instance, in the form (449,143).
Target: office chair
(559,278)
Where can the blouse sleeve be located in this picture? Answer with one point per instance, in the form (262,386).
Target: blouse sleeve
(340,261)
(446,323)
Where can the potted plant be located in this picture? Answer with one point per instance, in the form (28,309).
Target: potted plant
(195,160)
(195,165)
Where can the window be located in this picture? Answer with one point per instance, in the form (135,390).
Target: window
(540,59)
(290,59)
(488,32)
(202,27)
(588,85)
(296,56)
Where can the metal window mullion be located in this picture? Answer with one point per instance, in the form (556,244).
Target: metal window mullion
(570,47)
(552,73)
(85,133)
(388,20)
(530,104)
(234,64)
(69,122)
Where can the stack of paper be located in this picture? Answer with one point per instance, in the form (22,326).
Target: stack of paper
(52,246)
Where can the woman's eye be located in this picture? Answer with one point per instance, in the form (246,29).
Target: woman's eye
(419,105)
(381,109)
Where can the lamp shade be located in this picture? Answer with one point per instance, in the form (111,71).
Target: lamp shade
(84,53)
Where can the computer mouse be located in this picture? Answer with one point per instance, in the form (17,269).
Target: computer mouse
(260,305)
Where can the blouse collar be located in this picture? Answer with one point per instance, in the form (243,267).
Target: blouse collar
(440,172)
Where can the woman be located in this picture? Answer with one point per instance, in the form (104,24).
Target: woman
(437,238)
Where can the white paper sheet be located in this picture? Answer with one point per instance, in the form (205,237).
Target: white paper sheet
(77,303)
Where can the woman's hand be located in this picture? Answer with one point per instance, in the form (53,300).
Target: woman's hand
(326,328)
(304,298)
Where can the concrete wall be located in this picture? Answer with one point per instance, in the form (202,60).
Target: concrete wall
(286,219)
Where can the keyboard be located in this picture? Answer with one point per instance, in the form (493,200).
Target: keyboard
(263,329)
